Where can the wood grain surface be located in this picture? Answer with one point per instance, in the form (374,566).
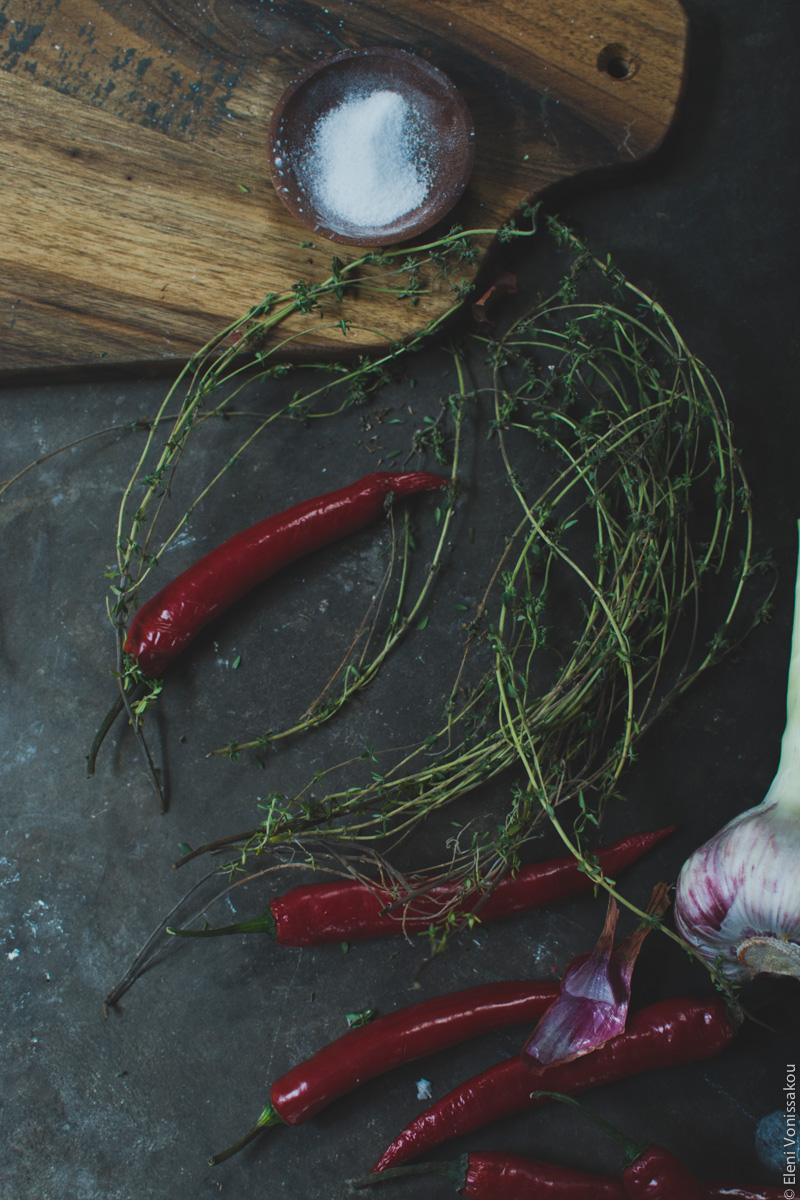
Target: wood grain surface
(138,218)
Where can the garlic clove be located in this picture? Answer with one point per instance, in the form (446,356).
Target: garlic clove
(592,1007)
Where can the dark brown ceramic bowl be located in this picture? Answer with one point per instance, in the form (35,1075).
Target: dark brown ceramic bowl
(444,140)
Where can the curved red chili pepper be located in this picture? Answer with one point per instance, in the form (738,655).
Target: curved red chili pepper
(497,1175)
(657,1174)
(314,914)
(508,1176)
(396,1038)
(165,625)
(673,1031)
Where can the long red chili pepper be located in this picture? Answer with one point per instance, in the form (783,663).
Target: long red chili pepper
(673,1031)
(346,910)
(165,625)
(497,1175)
(396,1038)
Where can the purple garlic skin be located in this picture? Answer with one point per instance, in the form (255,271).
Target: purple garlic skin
(738,897)
(737,900)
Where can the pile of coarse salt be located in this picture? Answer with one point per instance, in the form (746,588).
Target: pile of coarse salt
(365,166)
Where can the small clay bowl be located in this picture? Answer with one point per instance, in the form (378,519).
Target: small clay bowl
(444,140)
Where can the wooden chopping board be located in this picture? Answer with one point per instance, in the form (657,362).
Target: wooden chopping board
(138,218)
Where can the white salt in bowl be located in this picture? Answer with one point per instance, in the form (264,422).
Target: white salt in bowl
(371,147)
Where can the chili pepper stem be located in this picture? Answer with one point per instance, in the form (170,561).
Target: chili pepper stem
(268,1117)
(262,924)
(455,1171)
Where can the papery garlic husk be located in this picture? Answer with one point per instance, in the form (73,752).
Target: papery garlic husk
(737,900)
(591,1008)
(595,992)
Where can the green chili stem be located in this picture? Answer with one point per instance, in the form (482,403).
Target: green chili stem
(263,924)
(268,1117)
(455,1171)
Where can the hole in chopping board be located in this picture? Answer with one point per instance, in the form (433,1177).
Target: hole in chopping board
(617,61)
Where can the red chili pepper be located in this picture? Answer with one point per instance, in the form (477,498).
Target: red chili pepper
(396,1038)
(673,1031)
(165,625)
(657,1174)
(496,1175)
(506,1176)
(346,910)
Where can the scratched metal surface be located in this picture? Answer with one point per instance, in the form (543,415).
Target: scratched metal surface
(130,1106)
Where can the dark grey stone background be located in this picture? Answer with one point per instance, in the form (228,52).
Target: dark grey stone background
(130,1106)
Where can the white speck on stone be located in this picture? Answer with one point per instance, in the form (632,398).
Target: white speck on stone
(13,954)
(13,875)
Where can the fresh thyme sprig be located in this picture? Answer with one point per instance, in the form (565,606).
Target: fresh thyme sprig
(643,503)
(224,366)
(242,354)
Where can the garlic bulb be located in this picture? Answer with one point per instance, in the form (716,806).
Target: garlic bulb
(738,897)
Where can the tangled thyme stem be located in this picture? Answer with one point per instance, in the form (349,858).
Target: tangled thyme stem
(643,503)
(616,447)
